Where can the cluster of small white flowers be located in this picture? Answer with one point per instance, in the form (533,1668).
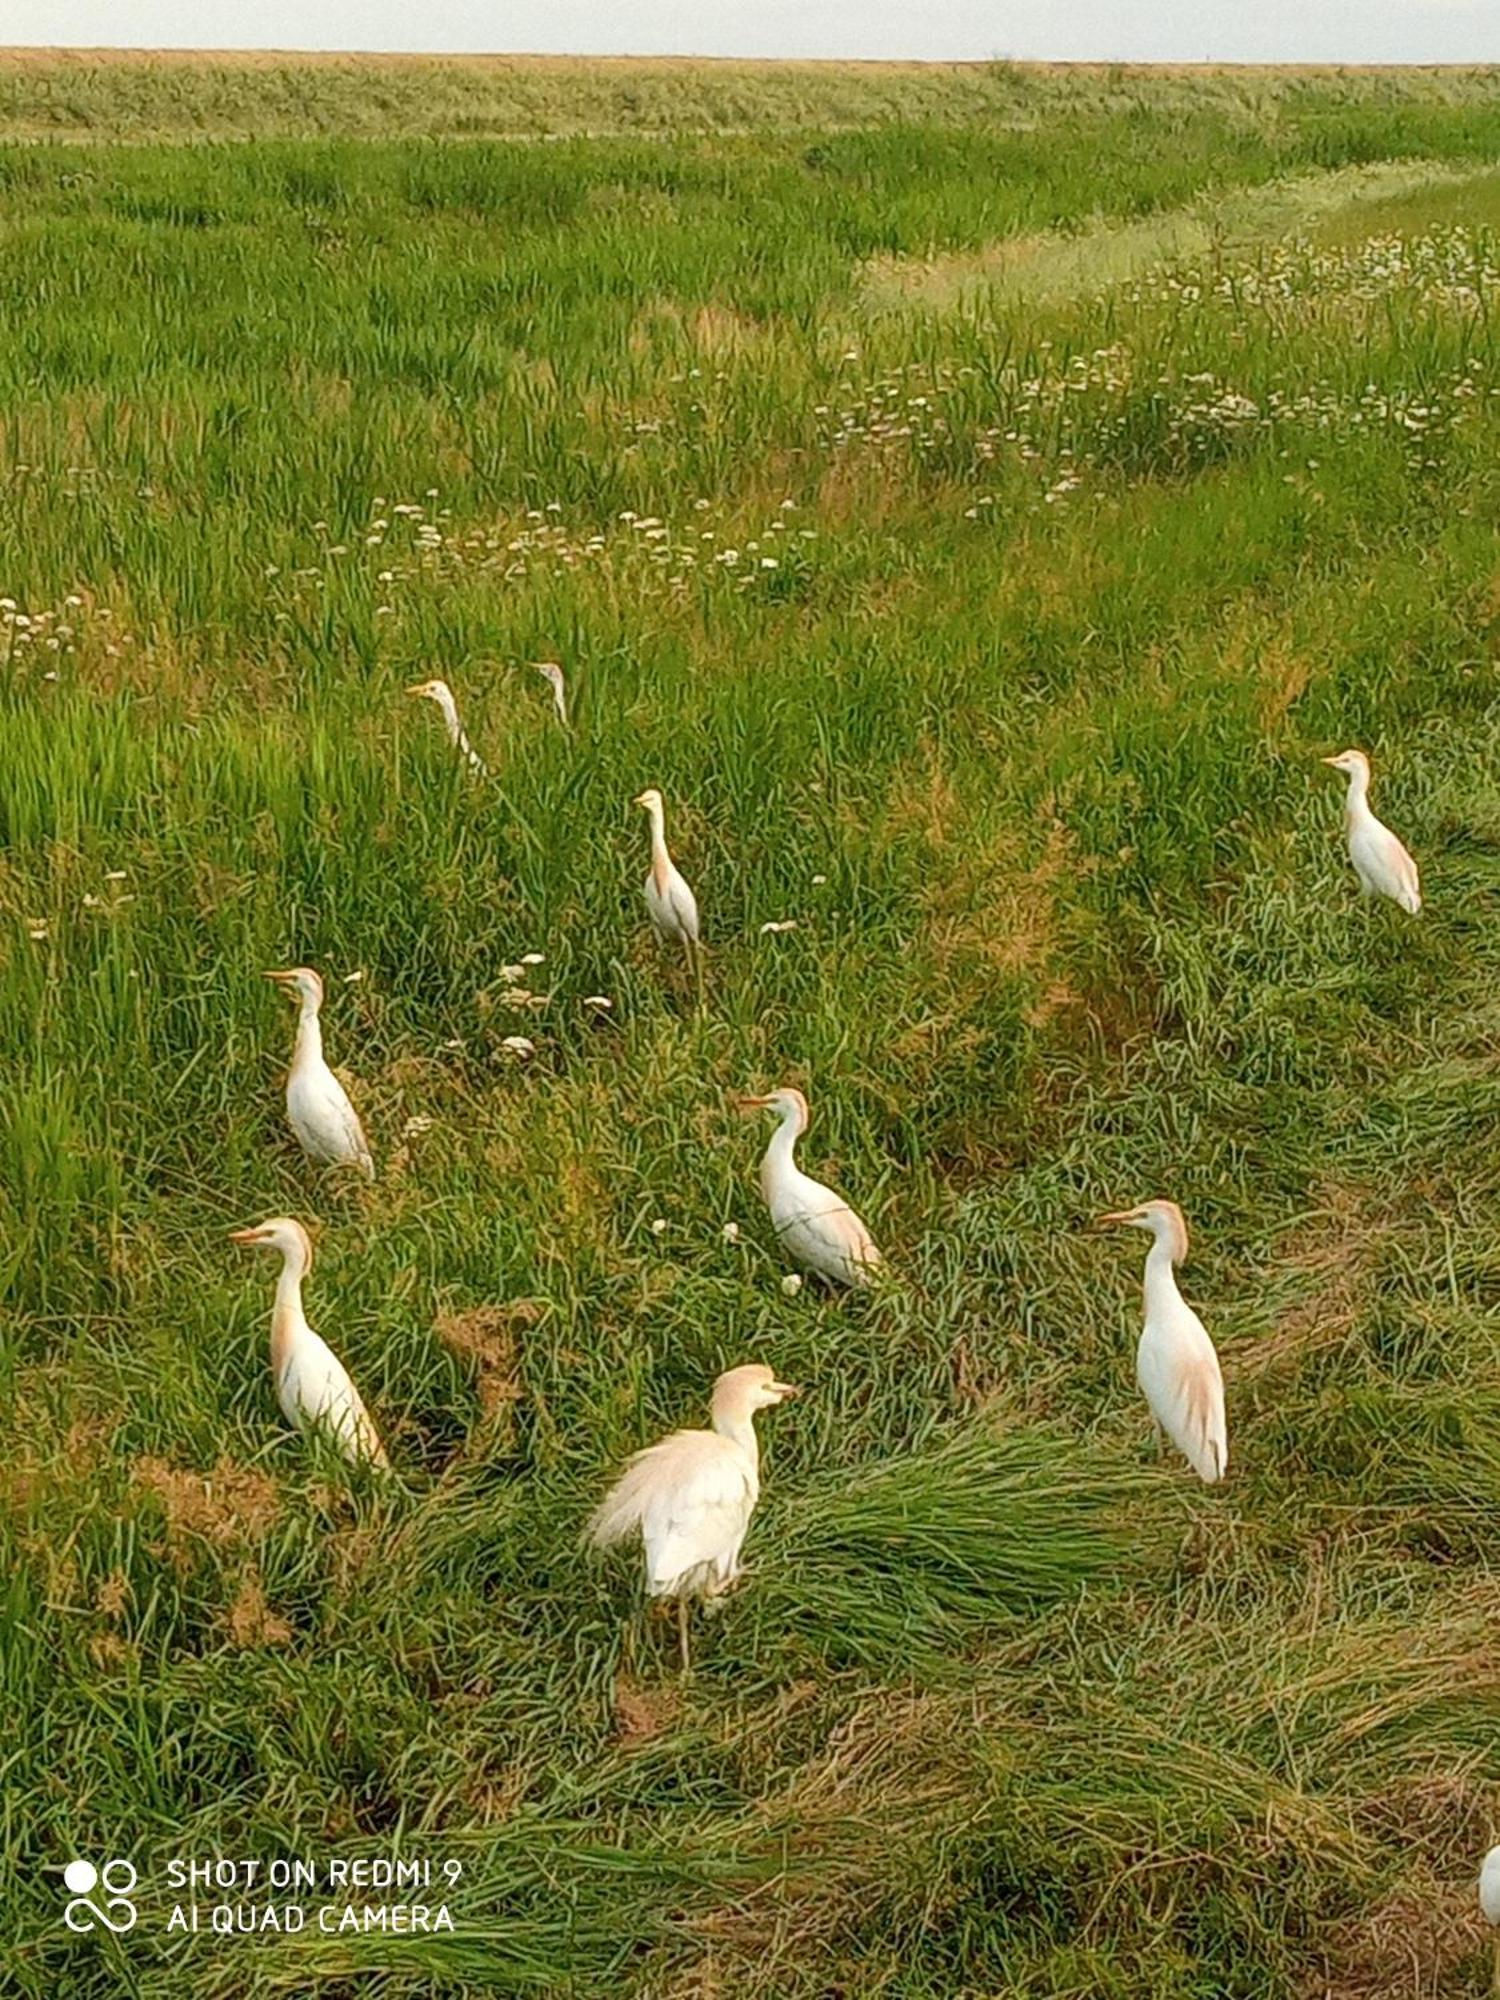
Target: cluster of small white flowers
(60,629)
(416,544)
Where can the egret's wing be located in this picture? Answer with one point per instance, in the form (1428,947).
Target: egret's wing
(317,1393)
(1185,1389)
(689,1497)
(684,906)
(1405,871)
(697,1515)
(345,1121)
(818,1225)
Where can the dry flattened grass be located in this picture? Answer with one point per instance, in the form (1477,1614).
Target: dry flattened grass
(489,1337)
(232,1505)
(1335,1255)
(1425,1941)
(850,1824)
(642,1713)
(249,1620)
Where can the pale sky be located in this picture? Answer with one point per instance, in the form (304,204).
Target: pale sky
(1353,31)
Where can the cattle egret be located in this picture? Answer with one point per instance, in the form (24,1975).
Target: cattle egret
(690,1497)
(442,694)
(317,1105)
(552,673)
(312,1384)
(1380,861)
(818,1227)
(1175,1363)
(1489,1904)
(673,908)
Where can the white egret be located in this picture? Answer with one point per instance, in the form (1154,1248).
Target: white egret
(1175,1362)
(818,1227)
(671,903)
(691,1496)
(317,1105)
(442,694)
(1489,1904)
(312,1384)
(1380,861)
(552,673)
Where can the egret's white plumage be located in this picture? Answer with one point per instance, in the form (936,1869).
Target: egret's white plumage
(1175,1362)
(1380,861)
(552,673)
(317,1105)
(1489,1886)
(673,907)
(690,1497)
(312,1384)
(1489,1905)
(440,693)
(818,1228)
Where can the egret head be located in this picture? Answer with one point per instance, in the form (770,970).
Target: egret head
(303,982)
(551,670)
(740,1392)
(649,800)
(280,1232)
(438,691)
(787,1102)
(1353,763)
(1164,1219)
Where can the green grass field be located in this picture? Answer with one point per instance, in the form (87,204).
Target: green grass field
(977,499)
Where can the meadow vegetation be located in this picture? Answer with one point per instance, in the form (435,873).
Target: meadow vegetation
(990,626)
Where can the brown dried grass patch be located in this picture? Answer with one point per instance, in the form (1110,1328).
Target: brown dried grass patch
(232,1504)
(489,1337)
(642,1713)
(250,1621)
(1338,1251)
(1422,1942)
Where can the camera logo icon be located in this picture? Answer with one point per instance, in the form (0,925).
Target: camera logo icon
(116,1911)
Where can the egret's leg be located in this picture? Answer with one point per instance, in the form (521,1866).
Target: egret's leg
(1495,1967)
(682,1631)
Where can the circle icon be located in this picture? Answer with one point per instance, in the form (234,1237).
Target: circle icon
(80,1877)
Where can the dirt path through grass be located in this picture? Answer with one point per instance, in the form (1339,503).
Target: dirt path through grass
(1053,265)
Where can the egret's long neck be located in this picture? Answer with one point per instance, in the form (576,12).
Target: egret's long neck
(661,861)
(1161,1279)
(449,708)
(1357,799)
(308,1047)
(781,1154)
(289,1286)
(287,1316)
(740,1430)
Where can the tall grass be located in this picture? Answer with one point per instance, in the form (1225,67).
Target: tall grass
(993,636)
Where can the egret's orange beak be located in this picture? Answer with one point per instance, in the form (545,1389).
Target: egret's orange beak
(246,1236)
(281,978)
(785,1389)
(418,687)
(1118,1215)
(751,1103)
(1329,760)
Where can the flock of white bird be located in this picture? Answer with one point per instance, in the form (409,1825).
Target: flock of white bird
(689,1498)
